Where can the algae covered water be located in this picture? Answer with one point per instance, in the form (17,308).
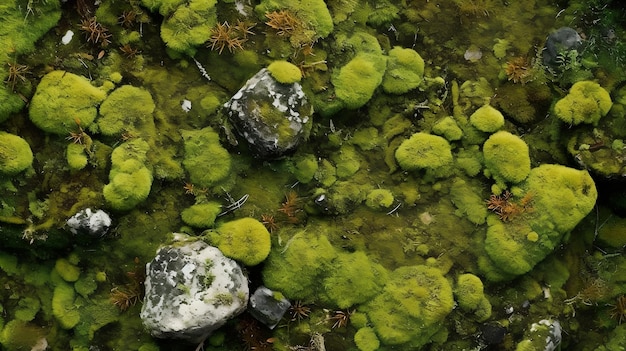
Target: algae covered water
(392,175)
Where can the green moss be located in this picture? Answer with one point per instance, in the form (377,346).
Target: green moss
(130,179)
(411,307)
(62,100)
(366,339)
(470,160)
(470,296)
(201,215)
(326,173)
(356,82)
(405,71)
(344,196)
(76,156)
(347,161)
(126,108)
(366,139)
(8,263)
(425,151)
(313,14)
(506,157)
(285,72)
(67,271)
(586,102)
(448,128)
(469,203)
(15,154)
(189,25)
(297,269)
(379,199)
(63,308)
(246,240)
(18,335)
(86,285)
(27,308)
(303,167)
(357,280)
(487,119)
(206,161)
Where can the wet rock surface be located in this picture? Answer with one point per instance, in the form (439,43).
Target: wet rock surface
(273,118)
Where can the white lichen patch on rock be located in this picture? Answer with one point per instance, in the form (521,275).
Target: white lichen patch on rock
(192,289)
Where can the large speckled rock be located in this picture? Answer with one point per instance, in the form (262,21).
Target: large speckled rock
(274,118)
(192,289)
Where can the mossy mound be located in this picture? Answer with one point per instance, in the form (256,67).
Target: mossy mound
(63,102)
(506,158)
(245,240)
(487,119)
(425,151)
(15,154)
(356,82)
(201,215)
(411,307)
(405,71)
(130,179)
(285,72)
(126,108)
(586,102)
(206,161)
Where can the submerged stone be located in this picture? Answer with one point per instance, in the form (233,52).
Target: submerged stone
(560,42)
(267,307)
(192,289)
(274,118)
(93,223)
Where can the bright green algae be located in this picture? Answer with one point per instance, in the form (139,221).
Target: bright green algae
(433,194)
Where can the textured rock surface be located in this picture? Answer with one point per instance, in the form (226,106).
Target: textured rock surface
(192,289)
(274,118)
(94,223)
(267,307)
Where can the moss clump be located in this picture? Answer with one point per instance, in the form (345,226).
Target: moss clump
(67,271)
(379,199)
(62,100)
(130,179)
(201,215)
(405,71)
(586,102)
(15,154)
(468,202)
(303,167)
(18,335)
(245,240)
(366,340)
(27,308)
(425,151)
(347,161)
(124,110)
(411,307)
(63,307)
(557,199)
(76,157)
(187,24)
(448,128)
(206,161)
(506,157)
(487,119)
(471,298)
(285,72)
(306,269)
(356,82)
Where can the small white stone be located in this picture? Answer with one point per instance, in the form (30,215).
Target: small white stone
(67,37)
(186,105)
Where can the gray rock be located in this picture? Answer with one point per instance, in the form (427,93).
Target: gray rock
(266,307)
(274,118)
(192,289)
(561,41)
(90,223)
(544,335)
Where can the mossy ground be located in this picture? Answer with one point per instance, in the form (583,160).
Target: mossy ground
(432,220)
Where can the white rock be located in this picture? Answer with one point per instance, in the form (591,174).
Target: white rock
(67,37)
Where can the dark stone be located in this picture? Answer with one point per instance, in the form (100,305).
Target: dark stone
(274,118)
(491,334)
(266,307)
(562,40)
